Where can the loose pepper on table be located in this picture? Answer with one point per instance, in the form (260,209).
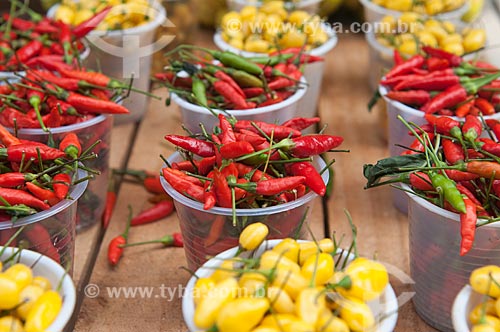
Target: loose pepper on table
(115,251)
(156,212)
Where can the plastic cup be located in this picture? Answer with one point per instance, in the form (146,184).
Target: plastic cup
(438,270)
(50,232)
(398,134)
(46,267)
(313,72)
(374,13)
(122,54)
(384,308)
(198,225)
(92,203)
(381,60)
(310,6)
(192,115)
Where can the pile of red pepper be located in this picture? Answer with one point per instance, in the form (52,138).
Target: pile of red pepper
(27,43)
(227,81)
(443,83)
(59,97)
(34,177)
(451,165)
(249,164)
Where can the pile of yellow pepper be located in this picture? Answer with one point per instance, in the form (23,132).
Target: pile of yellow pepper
(411,30)
(28,302)
(428,7)
(485,317)
(268,27)
(295,286)
(124,14)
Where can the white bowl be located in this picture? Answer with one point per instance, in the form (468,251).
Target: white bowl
(386,306)
(465,301)
(48,268)
(310,6)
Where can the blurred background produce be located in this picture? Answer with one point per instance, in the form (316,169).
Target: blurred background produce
(427,7)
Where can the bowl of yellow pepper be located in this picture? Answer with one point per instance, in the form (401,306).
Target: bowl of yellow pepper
(477,305)
(452,10)
(409,32)
(36,293)
(289,285)
(310,6)
(257,31)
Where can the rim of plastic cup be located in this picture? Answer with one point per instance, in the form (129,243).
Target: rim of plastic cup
(255,111)
(449,15)
(372,41)
(75,193)
(436,209)
(318,51)
(160,17)
(415,112)
(241,212)
(289,5)
(390,314)
(63,129)
(51,269)
(459,312)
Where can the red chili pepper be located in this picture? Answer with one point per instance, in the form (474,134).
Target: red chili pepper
(82,29)
(227,135)
(7,233)
(183,186)
(484,106)
(460,176)
(277,131)
(272,186)
(26,52)
(406,67)
(464,191)
(310,145)
(221,190)
(61,184)
(109,205)
(493,124)
(464,109)
(236,149)
(19,23)
(414,97)
(14,179)
(472,128)
(416,146)
(16,196)
(434,64)
(19,152)
(228,79)
(91,105)
(454,60)
(300,123)
(421,181)
(445,125)
(453,152)
(312,177)
(7,138)
(194,145)
(253,92)
(174,240)
(42,194)
(256,174)
(68,84)
(393,81)
(71,146)
(40,240)
(467,226)
(486,169)
(432,83)
(271,101)
(94,78)
(493,148)
(184,176)
(230,95)
(156,212)
(50,62)
(187,165)
(206,165)
(115,251)
(153,184)
(251,138)
(209,199)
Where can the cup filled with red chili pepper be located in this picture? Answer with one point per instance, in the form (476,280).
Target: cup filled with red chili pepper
(451,177)
(249,171)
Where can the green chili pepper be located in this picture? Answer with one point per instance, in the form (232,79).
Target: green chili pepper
(199,91)
(449,190)
(237,62)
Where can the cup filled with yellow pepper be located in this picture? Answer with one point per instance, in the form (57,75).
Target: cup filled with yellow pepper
(36,293)
(477,307)
(289,285)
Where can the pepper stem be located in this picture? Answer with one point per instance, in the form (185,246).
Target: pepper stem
(166,240)
(129,220)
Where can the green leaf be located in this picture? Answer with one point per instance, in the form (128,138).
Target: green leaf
(392,167)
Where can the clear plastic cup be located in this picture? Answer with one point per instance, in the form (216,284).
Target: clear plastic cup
(50,232)
(192,115)
(381,60)
(92,203)
(310,6)
(374,13)
(123,53)
(48,268)
(206,233)
(438,270)
(313,72)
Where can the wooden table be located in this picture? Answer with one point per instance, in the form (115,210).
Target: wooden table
(382,230)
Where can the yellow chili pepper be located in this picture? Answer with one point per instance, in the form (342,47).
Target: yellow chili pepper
(9,292)
(43,282)
(224,271)
(21,274)
(357,314)
(318,268)
(368,279)
(206,312)
(497,307)
(474,40)
(483,328)
(265,329)
(242,314)
(310,248)
(253,235)
(481,280)
(278,321)
(288,248)
(492,321)
(10,324)
(309,303)
(250,282)
(44,311)
(476,314)
(28,297)
(299,326)
(290,281)
(327,322)
(271,259)
(280,300)
(201,288)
